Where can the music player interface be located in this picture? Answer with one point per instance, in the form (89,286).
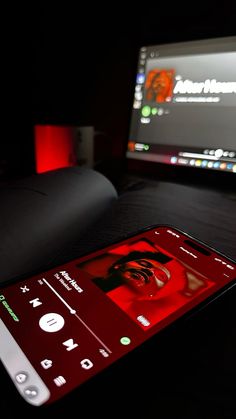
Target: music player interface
(61,327)
(184,106)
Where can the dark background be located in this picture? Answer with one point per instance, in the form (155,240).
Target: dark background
(76,64)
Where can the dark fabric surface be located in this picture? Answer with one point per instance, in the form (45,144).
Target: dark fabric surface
(43,213)
(207,214)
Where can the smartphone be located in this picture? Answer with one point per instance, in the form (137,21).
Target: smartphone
(62,327)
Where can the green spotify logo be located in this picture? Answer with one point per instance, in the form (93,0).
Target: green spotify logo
(146,111)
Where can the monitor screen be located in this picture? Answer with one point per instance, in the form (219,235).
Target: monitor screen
(184,107)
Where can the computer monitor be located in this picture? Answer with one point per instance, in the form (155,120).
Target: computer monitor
(184,107)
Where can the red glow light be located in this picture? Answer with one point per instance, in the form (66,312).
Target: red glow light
(54,147)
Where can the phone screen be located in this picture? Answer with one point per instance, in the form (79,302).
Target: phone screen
(61,327)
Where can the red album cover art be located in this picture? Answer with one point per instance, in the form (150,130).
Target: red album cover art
(146,283)
(159,85)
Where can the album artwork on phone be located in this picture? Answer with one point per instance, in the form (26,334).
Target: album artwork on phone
(61,327)
(146,283)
